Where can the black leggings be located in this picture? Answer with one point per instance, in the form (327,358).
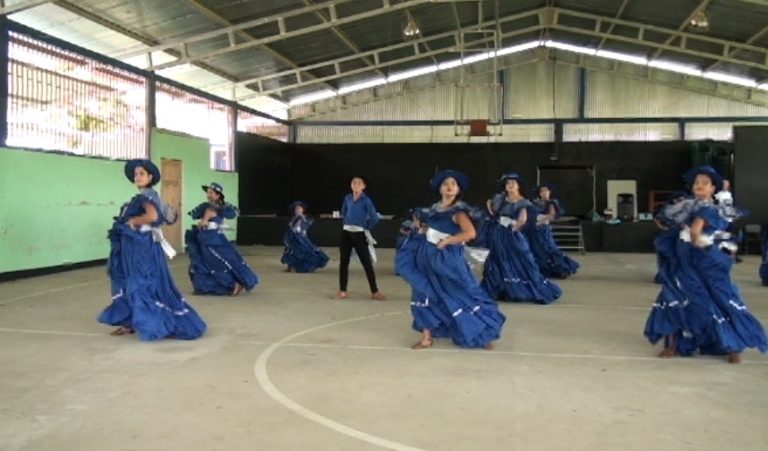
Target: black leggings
(356,240)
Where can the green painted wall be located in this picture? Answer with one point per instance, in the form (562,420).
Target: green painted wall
(56,209)
(195,154)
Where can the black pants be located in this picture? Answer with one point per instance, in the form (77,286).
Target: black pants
(356,240)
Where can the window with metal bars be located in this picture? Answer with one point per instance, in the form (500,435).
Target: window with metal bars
(62,101)
(252,123)
(181,111)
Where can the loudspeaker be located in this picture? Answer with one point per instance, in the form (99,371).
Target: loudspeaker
(625,207)
(623,192)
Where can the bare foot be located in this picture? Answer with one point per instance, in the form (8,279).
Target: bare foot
(377,296)
(288,269)
(237,290)
(667,353)
(341,295)
(122,331)
(734,357)
(489,346)
(422,344)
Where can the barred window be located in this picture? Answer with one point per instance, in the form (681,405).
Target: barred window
(62,101)
(181,111)
(251,123)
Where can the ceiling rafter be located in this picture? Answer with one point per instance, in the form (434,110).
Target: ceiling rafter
(283,32)
(752,39)
(618,14)
(340,34)
(198,6)
(600,23)
(375,52)
(684,38)
(71,7)
(699,8)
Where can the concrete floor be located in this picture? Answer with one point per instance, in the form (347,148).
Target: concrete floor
(287,368)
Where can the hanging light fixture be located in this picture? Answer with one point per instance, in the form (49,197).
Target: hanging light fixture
(699,21)
(411,27)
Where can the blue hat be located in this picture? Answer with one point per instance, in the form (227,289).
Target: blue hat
(461,179)
(216,188)
(298,203)
(690,176)
(131,165)
(510,176)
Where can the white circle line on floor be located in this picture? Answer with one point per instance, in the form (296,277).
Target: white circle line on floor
(260,369)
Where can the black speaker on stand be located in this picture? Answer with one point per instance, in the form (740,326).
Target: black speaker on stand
(625,206)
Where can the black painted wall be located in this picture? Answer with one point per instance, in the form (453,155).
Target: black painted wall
(264,167)
(751,170)
(399,173)
(272,173)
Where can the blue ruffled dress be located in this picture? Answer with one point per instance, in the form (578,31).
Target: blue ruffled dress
(301,254)
(510,272)
(552,261)
(446,298)
(215,265)
(144,295)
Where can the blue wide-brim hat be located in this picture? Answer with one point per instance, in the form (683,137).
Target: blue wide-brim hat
(298,203)
(690,176)
(510,176)
(131,165)
(461,179)
(216,188)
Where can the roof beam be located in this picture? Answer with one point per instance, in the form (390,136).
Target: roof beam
(611,27)
(400,93)
(68,5)
(298,82)
(20,6)
(340,34)
(684,37)
(685,82)
(196,4)
(699,8)
(749,41)
(278,20)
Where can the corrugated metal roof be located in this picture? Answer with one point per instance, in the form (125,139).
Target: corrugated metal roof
(134,25)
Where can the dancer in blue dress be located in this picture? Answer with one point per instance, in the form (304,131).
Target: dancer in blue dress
(447,301)
(510,272)
(301,254)
(360,216)
(551,259)
(215,265)
(664,243)
(144,297)
(710,315)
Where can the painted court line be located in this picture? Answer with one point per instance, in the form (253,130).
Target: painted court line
(260,369)
(50,332)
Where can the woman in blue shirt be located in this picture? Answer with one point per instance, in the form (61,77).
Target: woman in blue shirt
(360,216)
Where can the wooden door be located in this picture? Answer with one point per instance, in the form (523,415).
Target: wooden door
(171,194)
